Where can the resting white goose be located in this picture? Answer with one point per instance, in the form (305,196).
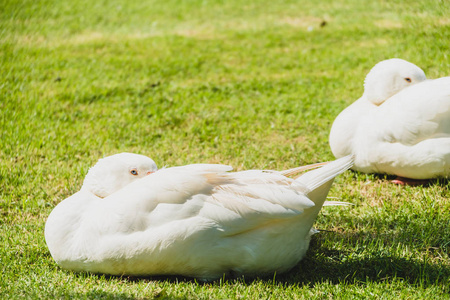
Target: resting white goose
(400,125)
(197,220)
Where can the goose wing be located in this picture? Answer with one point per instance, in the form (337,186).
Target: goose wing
(230,202)
(416,114)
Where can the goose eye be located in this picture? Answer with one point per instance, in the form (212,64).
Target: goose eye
(134,172)
(408,79)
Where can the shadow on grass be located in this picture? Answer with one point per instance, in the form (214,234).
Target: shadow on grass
(337,267)
(322,264)
(441,182)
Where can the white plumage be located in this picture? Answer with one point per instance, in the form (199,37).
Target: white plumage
(197,220)
(400,126)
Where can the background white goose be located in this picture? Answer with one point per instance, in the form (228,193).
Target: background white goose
(400,126)
(195,220)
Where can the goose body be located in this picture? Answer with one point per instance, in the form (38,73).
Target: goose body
(197,220)
(404,133)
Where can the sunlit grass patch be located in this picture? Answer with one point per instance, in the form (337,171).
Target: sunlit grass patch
(252,85)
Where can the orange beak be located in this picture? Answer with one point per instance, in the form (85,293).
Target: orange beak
(150,172)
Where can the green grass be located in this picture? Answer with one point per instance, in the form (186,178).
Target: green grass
(238,82)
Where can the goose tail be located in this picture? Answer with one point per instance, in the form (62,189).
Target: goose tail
(317,178)
(318,183)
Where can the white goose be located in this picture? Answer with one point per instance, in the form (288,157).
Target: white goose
(400,125)
(196,220)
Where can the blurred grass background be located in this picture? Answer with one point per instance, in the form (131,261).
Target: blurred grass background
(254,85)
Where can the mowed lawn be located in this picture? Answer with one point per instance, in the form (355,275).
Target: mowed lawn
(253,84)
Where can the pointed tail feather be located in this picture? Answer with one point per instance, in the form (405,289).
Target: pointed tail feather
(337,203)
(315,178)
(295,171)
(318,183)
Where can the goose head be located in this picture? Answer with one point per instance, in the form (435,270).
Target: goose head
(114,172)
(389,77)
